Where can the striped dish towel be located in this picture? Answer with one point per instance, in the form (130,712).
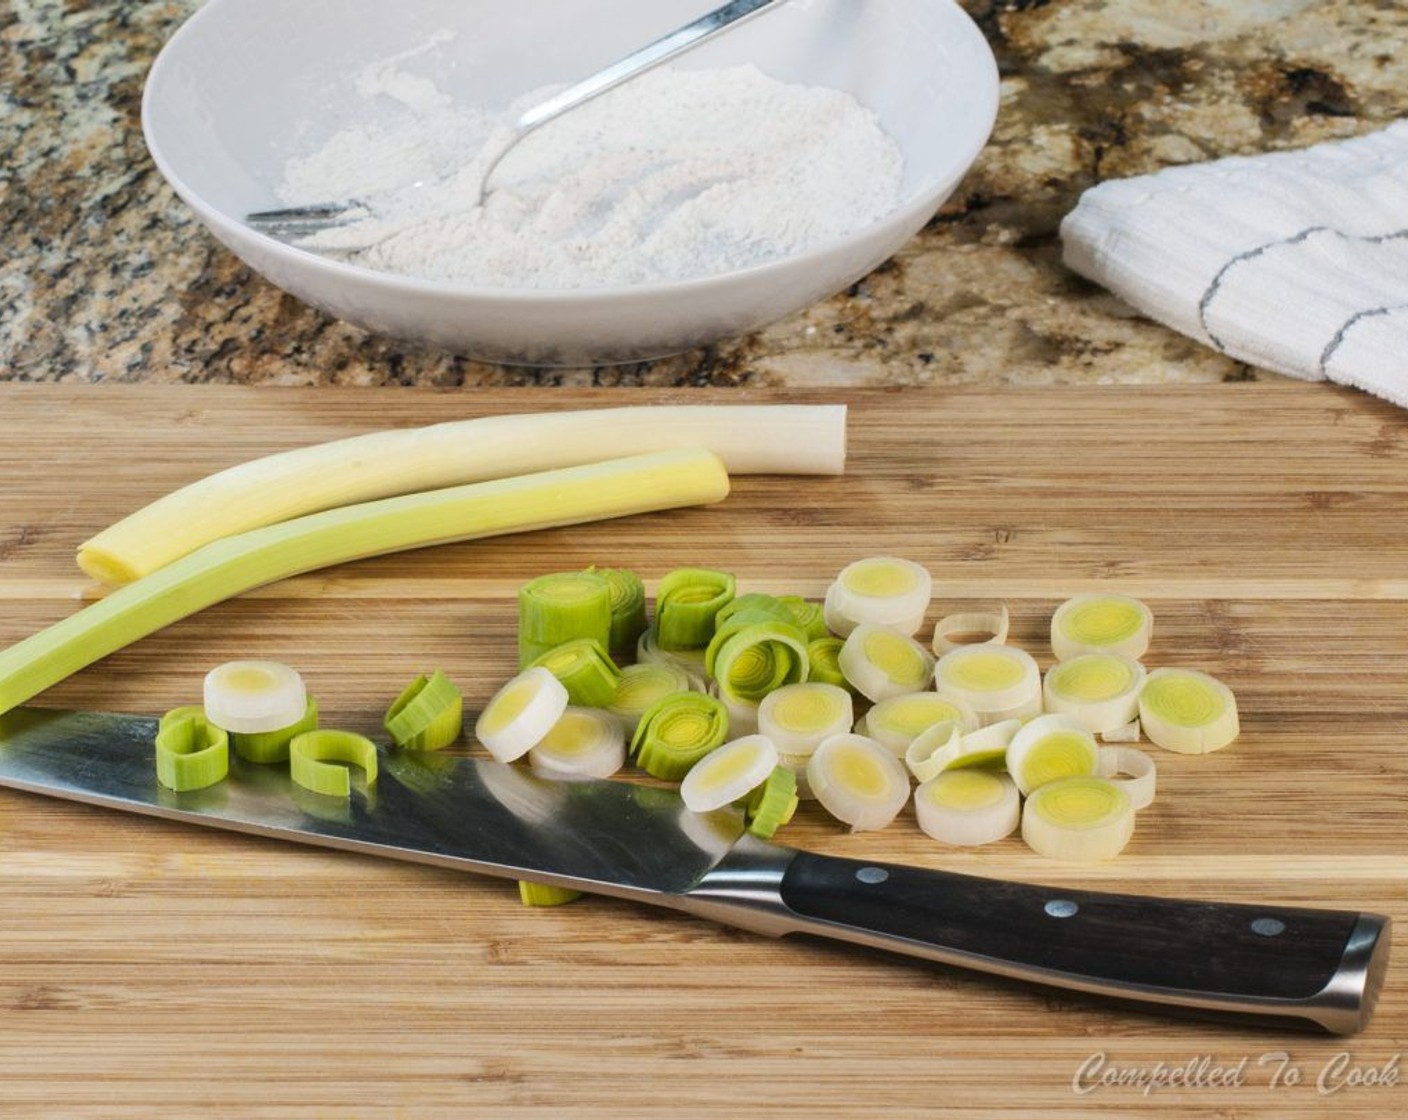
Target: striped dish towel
(1295,261)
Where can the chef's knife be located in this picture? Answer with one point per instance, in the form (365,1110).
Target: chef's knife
(1290,965)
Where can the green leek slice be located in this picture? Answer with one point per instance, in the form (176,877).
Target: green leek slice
(1049,748)
(808,616)
(772,804)
(798,717)
(583,743)
(627,608)
(1101,624)
(559,608)
(858,781)
(518,716)
(252,696)
(1187,711)
(272,746)
(1099,689)
(975,626)
(228,567)
(728,773)
(191,752)
(757,659)
(896,721)
(823,662)
(968,807)
(677,732)
(585,670)
(314,759)
(998,682)
(880,662)
(427,716)
(540,894)
(686,603)
(1078,820)
(644,684)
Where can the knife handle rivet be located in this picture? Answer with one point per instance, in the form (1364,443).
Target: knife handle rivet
(872,874)
(1268,927)
(1061,908)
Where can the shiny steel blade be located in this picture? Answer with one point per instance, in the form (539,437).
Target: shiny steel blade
(602,836)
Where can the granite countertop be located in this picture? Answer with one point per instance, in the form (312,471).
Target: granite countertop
(107,277)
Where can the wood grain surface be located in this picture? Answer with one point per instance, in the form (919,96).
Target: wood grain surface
(154,970)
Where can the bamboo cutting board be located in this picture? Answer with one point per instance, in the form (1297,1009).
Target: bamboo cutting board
(154,970)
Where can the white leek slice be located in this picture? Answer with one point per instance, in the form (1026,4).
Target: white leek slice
(645,684)
(742,714)
(1140,776)
(583,743)
(690,660)
(858,781)
(797,717)
(1050,748)
(1078,820)
(1101,624)
(880,662)
(968,807)
(992,625)
(1099,689)
(998,682)
(1187,711)
(946,747)
(836,621)
(729,772)
(247,697)
(521,713)
(885,591)
(896,721)
(1126,733)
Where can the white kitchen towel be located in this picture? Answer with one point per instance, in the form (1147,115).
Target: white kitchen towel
(1293,261)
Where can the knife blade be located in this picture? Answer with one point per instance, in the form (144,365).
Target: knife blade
(1289,966)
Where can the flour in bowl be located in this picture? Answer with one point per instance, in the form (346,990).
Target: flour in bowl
(677,175)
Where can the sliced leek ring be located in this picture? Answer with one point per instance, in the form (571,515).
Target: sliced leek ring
(314,759)
(838,623)
(677,732)
(585,670)
(1049,748)
(645,684)
(1126,733)
(757,658)
(885,591)
(1140,776)
(742,714)
(1101,624)
(583,743)
(561,607)
(686,603)
(807,615)
(797,717)
(543,894)
(1187,711)
(858,781)
(771,805)
(798,766)
(1078,820)
(1099,689)
(191,752)
(993,625)
(521,713)
(823,665)
(427,716)
(729,772)
(998,682)
(253,696)
(690,660)
(896,721)
(880,662)
(627,607)
(968,807)
(945,746)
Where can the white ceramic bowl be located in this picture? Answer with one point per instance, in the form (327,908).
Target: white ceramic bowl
(245,84)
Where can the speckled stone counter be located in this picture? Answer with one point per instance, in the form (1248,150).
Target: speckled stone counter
(105,276)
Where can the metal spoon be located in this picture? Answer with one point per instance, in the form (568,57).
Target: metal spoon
(292,223)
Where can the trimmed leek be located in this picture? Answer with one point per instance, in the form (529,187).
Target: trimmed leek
(585,670)
(1187,711)
(945,747)
(1050,748)
(977,626)
(772,804)
(798,717)
(191,752)
(1101,624)
(231,566)
(896,721)
(858,781)
(968,807)
(251,696)
(1133,771)
(998,682)
(883,590)
(756,659)
(272,746)
(807,615)
(318,761)
(559,608)
(1099,689)
(880,662)
(749,439)
(583,743)
(686,604)
(427,716)
(677,732)
(823,662)
(728,773)
(627,608)
(1079,820)
(520,714)
(641,686)
(540,894)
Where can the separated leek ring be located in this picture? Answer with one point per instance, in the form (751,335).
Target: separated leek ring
(314,757)
(427,716)
(191,752)
(982,627)
(945,746)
